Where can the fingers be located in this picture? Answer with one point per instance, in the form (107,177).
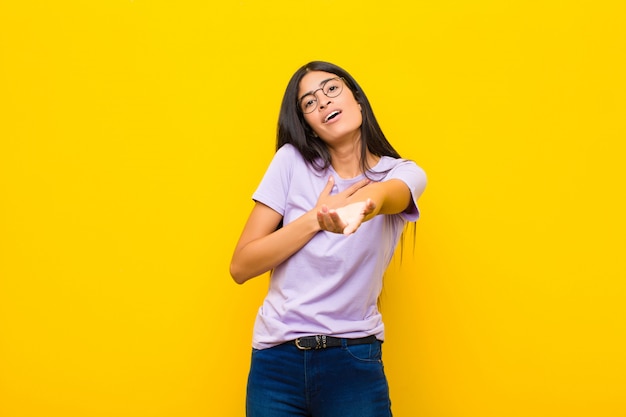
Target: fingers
(330,220)
(345,220)
(369,207)
(329,186)
(337,224)
(339,199)
(356,186)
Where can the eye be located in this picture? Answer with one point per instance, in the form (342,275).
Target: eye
(308,102)
(332,88)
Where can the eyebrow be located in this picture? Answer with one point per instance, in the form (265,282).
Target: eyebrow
(321,85)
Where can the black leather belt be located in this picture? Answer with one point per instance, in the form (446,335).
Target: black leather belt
(323,342)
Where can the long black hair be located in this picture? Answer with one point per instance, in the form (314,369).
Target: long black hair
(293,129)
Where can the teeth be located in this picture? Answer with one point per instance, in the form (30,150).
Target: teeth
(330,116)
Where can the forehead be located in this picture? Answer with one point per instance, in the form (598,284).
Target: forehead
(312,80)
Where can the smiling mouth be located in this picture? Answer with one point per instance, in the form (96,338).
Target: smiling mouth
(331,116)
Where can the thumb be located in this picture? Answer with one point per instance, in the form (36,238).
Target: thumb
(329,186)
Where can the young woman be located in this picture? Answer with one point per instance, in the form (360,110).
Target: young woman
(327,218)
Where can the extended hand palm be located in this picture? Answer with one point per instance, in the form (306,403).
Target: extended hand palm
(336,214)
(346,219)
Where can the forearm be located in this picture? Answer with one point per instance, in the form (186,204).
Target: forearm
(389,197)
(257,256)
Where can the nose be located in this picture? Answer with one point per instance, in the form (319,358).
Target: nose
(324,104)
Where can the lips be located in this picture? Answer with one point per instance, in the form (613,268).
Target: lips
(330,116)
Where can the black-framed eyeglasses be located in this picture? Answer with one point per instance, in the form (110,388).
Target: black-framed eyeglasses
(331,88)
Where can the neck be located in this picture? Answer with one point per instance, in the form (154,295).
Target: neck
(346,159)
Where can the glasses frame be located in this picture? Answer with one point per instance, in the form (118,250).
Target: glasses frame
(312,93)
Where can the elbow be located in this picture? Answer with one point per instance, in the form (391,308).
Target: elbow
(243,269)
(237,274)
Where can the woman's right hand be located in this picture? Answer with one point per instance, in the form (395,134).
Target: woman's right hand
(333,201)
(338,213)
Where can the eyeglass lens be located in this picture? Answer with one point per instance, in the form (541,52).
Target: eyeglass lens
(331,89)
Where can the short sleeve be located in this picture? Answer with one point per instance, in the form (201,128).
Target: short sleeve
(274,187)
(415,178)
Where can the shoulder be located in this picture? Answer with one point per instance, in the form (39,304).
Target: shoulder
(284,159)
(395,167)
(406,171)
(288,152)
(289,157)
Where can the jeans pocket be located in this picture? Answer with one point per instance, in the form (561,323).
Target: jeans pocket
(370,352)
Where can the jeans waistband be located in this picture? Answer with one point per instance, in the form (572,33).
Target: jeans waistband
(323,342)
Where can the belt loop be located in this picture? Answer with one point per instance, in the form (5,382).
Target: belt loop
(344,342)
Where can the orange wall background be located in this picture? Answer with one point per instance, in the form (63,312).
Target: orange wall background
(133,133)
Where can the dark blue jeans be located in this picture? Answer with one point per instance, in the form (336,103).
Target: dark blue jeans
(346,381)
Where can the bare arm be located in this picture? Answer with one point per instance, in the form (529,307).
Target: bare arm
(387,197)
(261,247)
(391,196)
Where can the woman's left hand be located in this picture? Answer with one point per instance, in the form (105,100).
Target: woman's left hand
(345,220)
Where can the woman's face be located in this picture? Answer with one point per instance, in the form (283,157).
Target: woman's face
(333,118)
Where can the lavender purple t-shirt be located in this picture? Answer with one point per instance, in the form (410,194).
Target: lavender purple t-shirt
(332,284)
